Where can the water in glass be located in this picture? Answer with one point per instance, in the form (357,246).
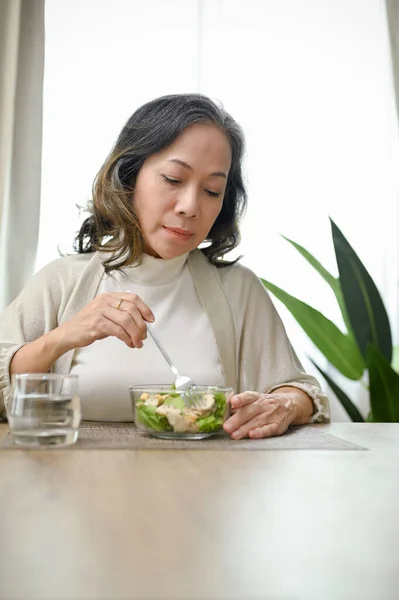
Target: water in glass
(45,410)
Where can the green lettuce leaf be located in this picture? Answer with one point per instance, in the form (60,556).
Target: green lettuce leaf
(149,418)
(175,400)
(208,424)
(220,401)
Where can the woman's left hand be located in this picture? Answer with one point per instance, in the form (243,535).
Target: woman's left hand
(260,415)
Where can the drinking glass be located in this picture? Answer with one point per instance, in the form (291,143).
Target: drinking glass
(45,409)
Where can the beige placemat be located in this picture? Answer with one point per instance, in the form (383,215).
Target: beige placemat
(109,436)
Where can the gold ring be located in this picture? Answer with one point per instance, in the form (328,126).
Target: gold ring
(119,303)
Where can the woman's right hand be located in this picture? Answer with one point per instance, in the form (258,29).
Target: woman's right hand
(119,314)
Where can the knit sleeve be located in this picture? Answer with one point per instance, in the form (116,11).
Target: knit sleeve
(7,352)
(265,357)
(33,313)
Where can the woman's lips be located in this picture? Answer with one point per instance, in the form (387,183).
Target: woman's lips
(179,234)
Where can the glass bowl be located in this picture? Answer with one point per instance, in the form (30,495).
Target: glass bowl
(194,414)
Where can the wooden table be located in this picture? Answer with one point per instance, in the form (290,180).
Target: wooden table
(279,525)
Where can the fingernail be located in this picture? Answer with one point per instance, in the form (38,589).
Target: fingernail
(227,426)
(152,318)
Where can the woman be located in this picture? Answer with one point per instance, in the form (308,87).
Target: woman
(172,181)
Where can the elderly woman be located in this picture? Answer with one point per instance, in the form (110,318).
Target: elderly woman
(165,210)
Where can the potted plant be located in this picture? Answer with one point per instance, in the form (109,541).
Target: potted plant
(364,350)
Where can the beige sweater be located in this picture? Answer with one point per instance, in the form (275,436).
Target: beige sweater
(253,347)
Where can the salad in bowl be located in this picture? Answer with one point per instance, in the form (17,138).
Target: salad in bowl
(196,413)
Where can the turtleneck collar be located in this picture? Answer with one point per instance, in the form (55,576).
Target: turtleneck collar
(156,271)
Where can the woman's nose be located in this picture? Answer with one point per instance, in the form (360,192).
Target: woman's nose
(187,203)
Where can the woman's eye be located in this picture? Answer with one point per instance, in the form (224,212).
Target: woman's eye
(171,180)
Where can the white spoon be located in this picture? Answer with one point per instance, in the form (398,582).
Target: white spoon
(182,382)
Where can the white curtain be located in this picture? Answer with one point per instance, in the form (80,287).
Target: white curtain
(392,8)
(309,80)
(21,91)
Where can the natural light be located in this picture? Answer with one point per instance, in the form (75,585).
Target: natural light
(309,81)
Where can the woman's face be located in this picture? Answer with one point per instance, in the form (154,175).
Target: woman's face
(179,191)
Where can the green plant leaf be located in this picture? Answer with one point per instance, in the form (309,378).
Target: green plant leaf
(395,359)
(363,302)
(348,405)
(384,387)
(332,281)
(338,348)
